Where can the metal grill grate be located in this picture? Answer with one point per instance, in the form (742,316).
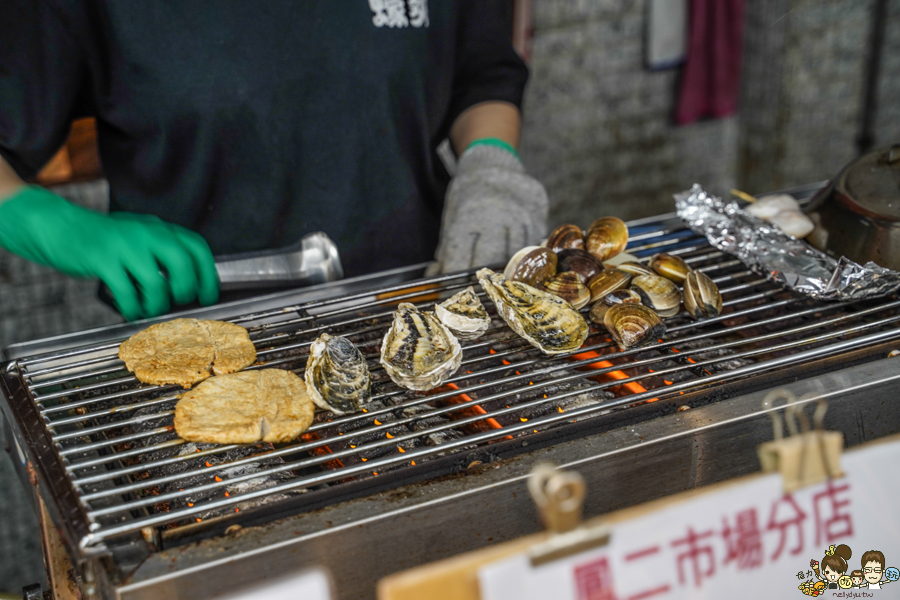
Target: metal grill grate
(115,442)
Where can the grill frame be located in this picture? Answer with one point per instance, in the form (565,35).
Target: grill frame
(74,519)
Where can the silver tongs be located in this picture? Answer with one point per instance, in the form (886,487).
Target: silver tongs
(313,259)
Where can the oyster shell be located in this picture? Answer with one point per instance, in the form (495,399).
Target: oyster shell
(337,375)
(463,314)
(701,296)
(633,324)
(546,321)
(569,287)
(418,352)
(658,293)
(606,237)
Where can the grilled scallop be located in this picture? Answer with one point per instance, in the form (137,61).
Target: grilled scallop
(546,321)
(337,375)
(463,314)
(418,351)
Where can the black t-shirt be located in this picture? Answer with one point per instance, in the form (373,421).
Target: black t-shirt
(254,123)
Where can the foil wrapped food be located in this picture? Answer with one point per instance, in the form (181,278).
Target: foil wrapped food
(765,249)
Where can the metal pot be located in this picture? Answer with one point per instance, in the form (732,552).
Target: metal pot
(858,214)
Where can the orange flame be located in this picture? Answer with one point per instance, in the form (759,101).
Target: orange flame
(632,386)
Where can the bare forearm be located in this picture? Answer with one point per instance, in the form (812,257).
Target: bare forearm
(9,180)
(486,120)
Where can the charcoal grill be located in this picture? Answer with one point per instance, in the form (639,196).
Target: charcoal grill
(143,514)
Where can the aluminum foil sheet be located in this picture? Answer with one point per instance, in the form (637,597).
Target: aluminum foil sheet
(767,250)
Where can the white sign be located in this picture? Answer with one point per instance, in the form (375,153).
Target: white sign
(749,540)
(310,584)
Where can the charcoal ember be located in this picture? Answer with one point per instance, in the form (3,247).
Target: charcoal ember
(186,451)
(423,419)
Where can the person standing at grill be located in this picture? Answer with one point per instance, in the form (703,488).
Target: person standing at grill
(230,127)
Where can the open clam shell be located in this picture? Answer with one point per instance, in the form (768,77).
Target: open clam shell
(658,293)
(606,237)
(337,375)
(464,314)
(701,296)
(544,320)
(633,325)
(418,351)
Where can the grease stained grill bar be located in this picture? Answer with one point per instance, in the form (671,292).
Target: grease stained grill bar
(114,443)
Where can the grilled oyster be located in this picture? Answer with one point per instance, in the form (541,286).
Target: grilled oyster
(337,375)
(464,314)
(701,296)
(546,321)
(418,352)
(633,324)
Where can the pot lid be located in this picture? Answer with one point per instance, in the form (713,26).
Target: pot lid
(871,184)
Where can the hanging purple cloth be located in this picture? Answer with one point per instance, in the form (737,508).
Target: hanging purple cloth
(711,78)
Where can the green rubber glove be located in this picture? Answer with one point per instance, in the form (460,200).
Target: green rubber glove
(125,250)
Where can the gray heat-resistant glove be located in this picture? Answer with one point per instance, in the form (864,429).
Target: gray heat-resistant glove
(492,210)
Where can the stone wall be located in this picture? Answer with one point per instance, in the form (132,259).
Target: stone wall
(598,130)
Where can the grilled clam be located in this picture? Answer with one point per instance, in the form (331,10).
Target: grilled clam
(565,237)
(569,287)
(701,296)
(463,314)
(618,259)
(418,352)
(606,237)
(337,375)
(598,312)
(658,293)
(546,321)
(516,259)
(607,281)
(670,267)
(579,261)
(535,267)
(622,296)
(635,268)
(633,324)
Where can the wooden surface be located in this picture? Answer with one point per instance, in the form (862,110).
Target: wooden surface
(60,574)
(77,160)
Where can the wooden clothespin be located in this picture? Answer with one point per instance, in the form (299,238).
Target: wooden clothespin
(559,496)
(808,455)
